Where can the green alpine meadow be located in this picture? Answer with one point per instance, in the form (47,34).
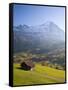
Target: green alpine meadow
(40,75)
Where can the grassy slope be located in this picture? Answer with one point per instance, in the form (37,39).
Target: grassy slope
(40,75)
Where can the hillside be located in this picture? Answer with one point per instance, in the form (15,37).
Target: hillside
(40,75)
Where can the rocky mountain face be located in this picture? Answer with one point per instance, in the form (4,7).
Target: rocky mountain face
(38,39)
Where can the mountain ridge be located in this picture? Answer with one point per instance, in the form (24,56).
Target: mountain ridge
(45,36)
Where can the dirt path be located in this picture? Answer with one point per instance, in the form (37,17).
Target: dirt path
(50,77)
(57,79)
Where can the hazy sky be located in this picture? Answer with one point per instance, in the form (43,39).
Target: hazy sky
(35,15)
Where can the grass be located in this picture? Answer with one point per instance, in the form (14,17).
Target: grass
(40,75)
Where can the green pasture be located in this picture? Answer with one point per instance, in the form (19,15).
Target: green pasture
(40,75)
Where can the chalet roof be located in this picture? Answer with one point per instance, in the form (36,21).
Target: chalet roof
(29,63)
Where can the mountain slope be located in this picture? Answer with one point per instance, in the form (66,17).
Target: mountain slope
(38,39)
